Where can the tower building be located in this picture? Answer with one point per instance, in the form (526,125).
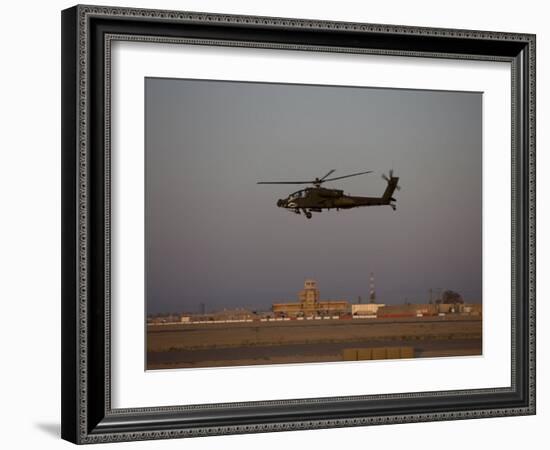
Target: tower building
(310,303)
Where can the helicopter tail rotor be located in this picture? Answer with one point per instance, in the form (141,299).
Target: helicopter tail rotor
(392,186)
(389,176)
(389,179)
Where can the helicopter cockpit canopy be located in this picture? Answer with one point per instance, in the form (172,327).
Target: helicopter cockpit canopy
(297,194)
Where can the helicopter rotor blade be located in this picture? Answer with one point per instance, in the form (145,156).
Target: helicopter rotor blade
(285,182)
(323,178)
(347,176)
(317,181)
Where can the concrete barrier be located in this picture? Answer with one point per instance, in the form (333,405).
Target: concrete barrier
(377,353)
(393,353)
(364,354)
(349,354)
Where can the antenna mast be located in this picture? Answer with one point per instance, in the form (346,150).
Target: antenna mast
(372,292)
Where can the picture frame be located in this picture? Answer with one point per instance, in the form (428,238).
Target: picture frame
(88,415)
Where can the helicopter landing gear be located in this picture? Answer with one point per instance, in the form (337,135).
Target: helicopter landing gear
(393,207)
(308,214)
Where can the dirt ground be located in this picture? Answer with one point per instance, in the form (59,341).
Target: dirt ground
(208,345)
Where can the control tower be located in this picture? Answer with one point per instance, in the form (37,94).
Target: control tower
(309,295)
(310,303)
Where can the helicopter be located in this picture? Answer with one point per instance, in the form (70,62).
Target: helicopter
(317,198)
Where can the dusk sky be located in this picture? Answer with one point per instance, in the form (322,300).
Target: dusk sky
(214,236)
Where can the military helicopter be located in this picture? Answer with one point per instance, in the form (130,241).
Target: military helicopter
(317,198)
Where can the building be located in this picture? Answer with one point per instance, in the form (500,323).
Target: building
(232,314)
(412,310)
(366,309)
(310,304)
(407,310)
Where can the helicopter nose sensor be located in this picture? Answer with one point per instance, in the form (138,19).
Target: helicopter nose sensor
(280,203)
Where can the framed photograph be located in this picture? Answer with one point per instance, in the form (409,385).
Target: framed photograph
(279,224)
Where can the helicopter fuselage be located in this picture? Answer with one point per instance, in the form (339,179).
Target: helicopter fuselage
(323,198)
(317,198)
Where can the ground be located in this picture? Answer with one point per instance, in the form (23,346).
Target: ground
(237,344)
